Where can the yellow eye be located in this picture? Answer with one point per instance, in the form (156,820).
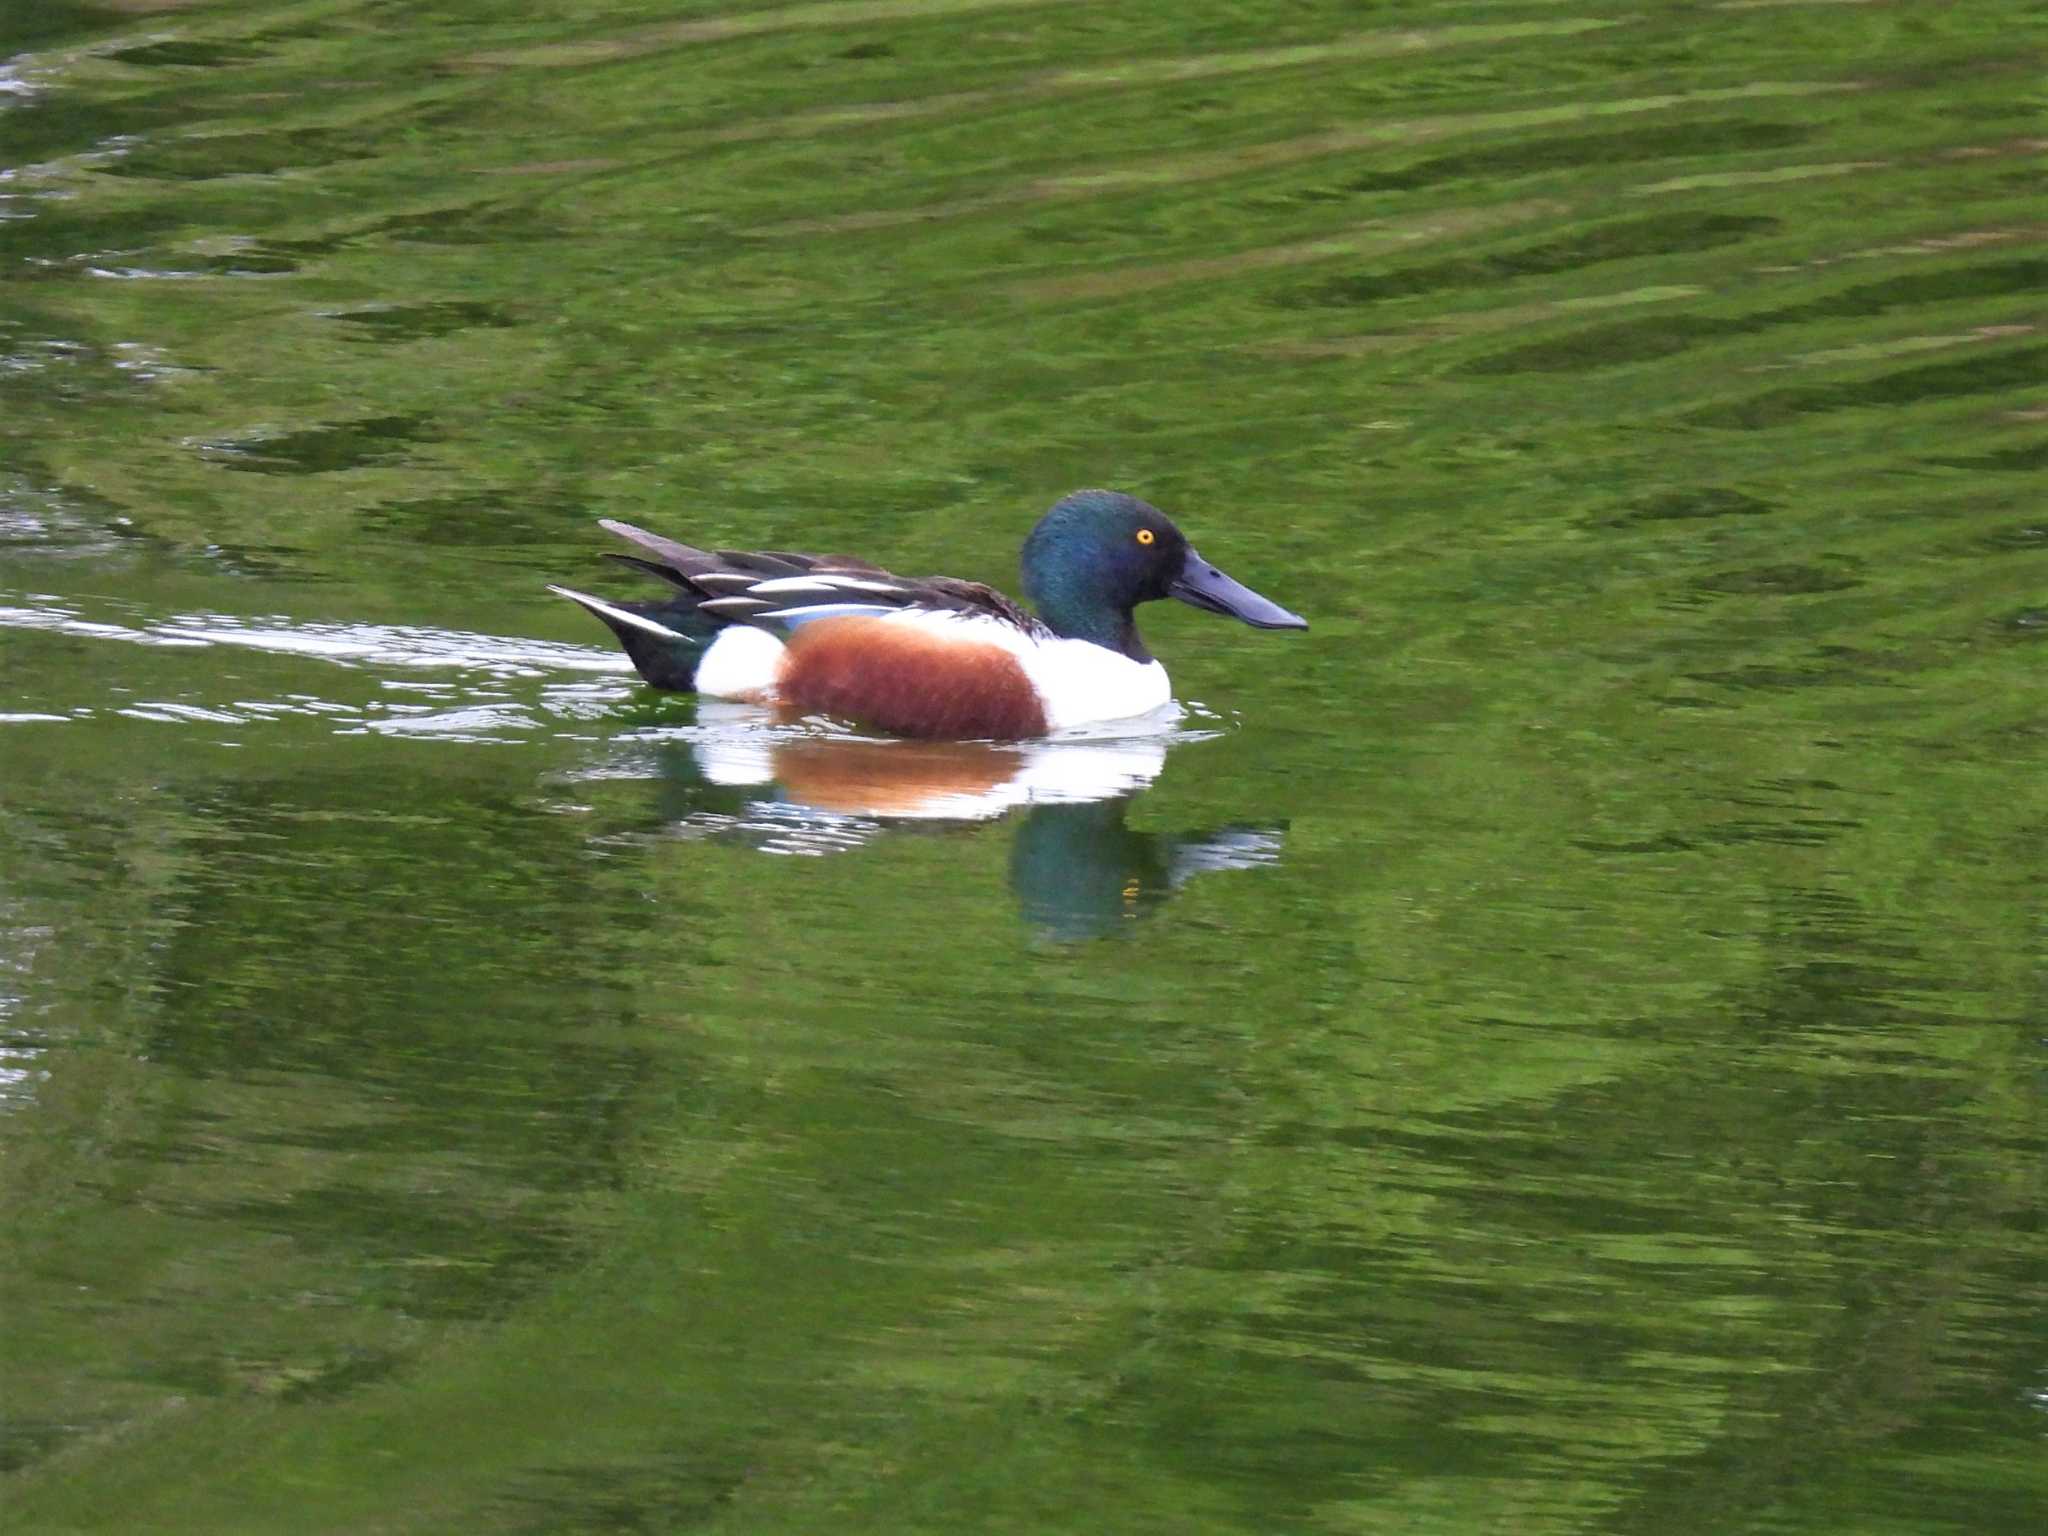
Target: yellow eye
(1146,535)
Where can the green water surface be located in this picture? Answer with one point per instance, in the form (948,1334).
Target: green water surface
(1557,1047)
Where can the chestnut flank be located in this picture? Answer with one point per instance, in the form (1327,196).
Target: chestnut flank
(909,681)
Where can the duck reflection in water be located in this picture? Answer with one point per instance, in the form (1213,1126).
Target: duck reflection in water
(1077,870)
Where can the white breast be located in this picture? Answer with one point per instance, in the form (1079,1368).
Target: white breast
(1081,683)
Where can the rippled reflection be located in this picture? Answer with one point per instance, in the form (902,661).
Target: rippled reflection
(1076,869)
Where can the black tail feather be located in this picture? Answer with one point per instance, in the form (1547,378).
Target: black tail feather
(667,573)
(661,649)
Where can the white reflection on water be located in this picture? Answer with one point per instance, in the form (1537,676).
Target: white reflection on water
(1076,870)
(929,780)
(393,645)
(482,701)
(20,1067)
(20,1055)
(809,787)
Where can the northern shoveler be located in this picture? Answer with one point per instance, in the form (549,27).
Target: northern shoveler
(935,656)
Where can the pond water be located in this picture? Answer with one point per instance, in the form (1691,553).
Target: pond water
(1559,1046)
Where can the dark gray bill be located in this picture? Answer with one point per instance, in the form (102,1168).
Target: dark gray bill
(1201,584)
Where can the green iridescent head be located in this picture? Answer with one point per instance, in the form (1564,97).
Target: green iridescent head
(1098,554)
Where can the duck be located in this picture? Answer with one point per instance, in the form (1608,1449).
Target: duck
(933,657)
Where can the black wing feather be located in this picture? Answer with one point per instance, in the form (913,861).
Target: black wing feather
(682,565)
(667,573)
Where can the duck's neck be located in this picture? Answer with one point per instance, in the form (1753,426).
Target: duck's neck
(1099,624)
(1078,604)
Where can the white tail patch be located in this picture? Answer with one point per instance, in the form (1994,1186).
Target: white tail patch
(742,663)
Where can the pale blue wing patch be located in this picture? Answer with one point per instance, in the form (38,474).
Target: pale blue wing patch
(792,618)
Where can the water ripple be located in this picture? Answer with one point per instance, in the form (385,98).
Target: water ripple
(395,645)
(476,705)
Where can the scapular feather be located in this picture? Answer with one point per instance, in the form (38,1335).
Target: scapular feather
(780,589)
